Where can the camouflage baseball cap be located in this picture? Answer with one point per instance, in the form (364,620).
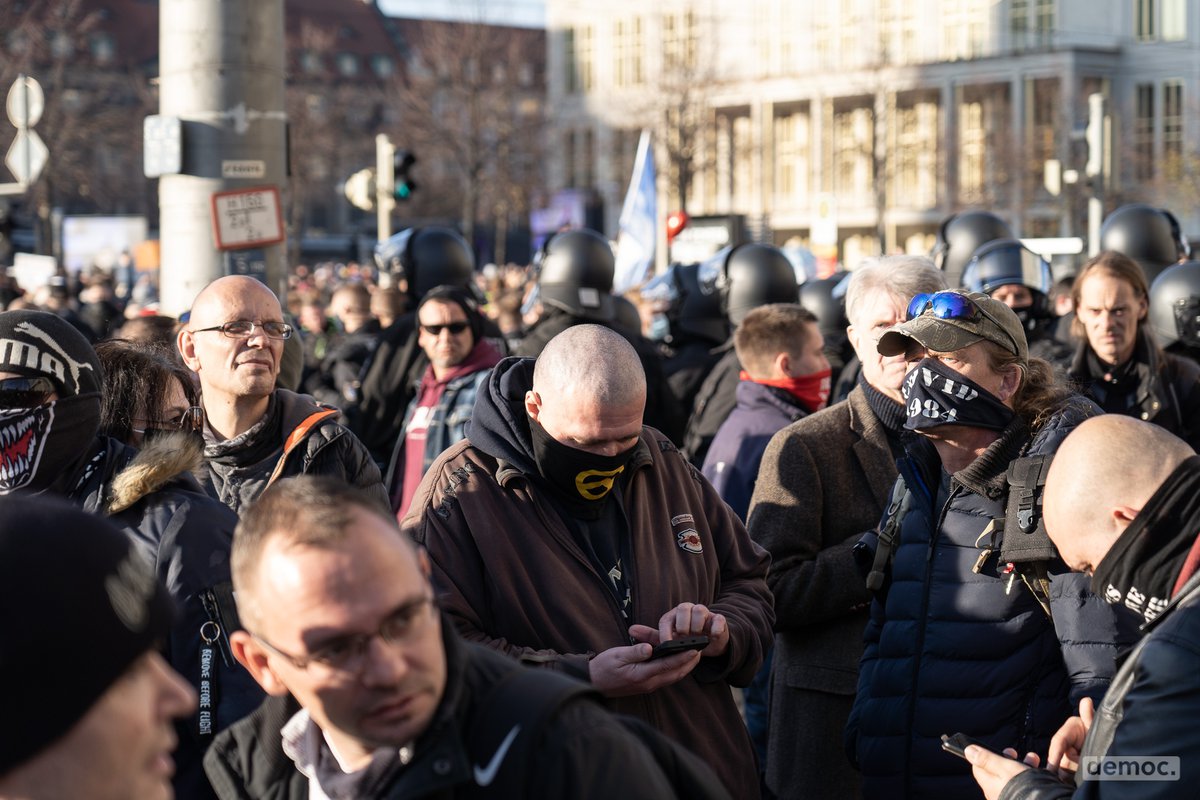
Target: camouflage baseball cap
(951,320)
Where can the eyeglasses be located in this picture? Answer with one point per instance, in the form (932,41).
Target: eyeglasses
(347,655)
(455,328)
(25,392)
(244,328)
(191,421)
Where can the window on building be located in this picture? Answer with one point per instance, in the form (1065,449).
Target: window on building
(743,169)
(1044,22)
(672,47)
(853,147)
(1172,128)
(914,183)
(103,47)
(1174,20)
(792,149)
(569,176)
(382,66)
(1018,23)
(637,73)
(571,61)
(584,51)
(1143,20)
(1045,99)
(972,150)
(61,46)
(586,156)
(1143,132)
(347,64)
(620,55)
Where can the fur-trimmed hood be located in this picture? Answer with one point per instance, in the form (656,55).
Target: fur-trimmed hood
(166,458)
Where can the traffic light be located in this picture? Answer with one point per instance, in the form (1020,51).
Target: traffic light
(403,185)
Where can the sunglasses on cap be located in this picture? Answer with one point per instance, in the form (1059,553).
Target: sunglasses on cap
(25,392)
(953,305)
(455,328)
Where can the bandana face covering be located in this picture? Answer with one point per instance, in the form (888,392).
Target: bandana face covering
(936,395)
(38,444)
(811,390)
(583,479)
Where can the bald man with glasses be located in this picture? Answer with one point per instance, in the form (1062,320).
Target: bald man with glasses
(256,433)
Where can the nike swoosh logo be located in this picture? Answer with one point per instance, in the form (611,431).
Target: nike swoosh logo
(484,776)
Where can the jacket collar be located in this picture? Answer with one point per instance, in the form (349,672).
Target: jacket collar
(986,475)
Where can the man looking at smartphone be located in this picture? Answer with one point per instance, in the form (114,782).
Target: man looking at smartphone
(1123,505)
(565,533)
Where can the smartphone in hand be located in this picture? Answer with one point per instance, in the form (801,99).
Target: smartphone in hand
(958,743)
(680,645)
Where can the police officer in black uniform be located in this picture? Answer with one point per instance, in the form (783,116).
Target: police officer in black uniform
(1175,309)
(960,235)
(744,277)
(574,284)
(691,328)
(1020,278)
(422,258)
(1150,236)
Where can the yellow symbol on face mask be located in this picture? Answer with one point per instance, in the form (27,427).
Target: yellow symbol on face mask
(593,484)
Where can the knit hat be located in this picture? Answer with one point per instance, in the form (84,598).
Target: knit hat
(77,607)
(38,343)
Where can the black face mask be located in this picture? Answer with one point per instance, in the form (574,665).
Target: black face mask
(936,395)
(584,480)
(38,445)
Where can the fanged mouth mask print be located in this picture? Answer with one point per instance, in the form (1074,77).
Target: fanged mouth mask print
(23,434)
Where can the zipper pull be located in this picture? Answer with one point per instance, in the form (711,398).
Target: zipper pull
(984,555)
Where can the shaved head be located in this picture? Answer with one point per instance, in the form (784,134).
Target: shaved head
(593,362)
(1101,477)
(210,305)
(589,390)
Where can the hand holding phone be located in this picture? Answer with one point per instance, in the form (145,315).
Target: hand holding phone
(681,645)
(958,743)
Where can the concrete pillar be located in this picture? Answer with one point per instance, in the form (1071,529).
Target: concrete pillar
(221,66)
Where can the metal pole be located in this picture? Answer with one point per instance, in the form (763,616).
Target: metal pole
(385,184)
(222,72)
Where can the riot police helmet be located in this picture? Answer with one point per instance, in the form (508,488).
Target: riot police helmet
(427,257)
(1150,236)
(960,235)
(692,314)
(748,276)
(575,271)
(826,299)
(1175,305)
(1007,262)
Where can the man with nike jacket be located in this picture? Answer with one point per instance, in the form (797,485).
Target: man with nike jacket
(373,695)
(565,533)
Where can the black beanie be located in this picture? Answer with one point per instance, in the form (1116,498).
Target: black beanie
(38,343)
(464,300)
(78,606)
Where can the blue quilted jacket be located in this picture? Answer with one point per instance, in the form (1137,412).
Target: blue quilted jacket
(949,650)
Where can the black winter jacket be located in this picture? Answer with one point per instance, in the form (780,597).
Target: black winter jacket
(582,751)
(713,404)
(950,650)
(240,468)
(1167,392)
(1150,710)
(186,536)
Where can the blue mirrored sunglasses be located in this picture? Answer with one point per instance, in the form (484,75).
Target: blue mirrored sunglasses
(945,305)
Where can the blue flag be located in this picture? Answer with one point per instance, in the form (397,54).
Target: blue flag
(638,232)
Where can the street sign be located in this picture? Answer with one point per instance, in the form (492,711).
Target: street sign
(27,156)
(25,102)
(162,145)
(252,262)
(247,218)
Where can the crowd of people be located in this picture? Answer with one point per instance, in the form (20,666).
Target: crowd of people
(417,529)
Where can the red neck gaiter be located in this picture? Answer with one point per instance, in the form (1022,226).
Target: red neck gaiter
(811,390)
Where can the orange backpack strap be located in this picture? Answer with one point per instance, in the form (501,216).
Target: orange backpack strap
(297,436)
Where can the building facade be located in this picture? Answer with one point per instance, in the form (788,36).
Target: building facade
(891,113)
